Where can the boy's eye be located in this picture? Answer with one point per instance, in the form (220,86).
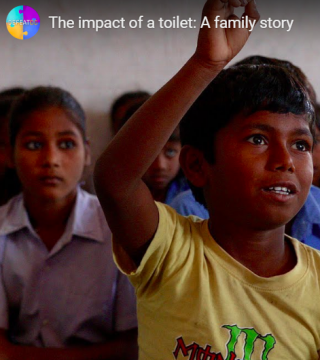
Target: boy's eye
(67,144)
(33,145)
(257,140)
(302,146)
(170,153)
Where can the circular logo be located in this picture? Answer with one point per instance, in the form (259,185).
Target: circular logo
(23,22)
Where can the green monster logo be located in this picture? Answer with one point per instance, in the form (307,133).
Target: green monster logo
(196,352)
(250,338)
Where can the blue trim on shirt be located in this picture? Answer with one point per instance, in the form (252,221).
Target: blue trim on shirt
(306,225)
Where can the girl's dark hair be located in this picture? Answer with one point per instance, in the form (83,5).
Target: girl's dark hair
(242,90)
(43,97)
(11,92)
(7,97)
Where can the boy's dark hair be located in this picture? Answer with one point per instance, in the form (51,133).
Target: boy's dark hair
(293,69)
(241,90)
(41,98)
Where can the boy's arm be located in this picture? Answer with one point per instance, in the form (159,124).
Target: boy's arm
(122,347)
(127,202)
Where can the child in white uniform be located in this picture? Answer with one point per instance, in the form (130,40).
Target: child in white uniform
(61,295)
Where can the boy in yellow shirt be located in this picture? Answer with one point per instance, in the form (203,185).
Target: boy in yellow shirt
(234,286)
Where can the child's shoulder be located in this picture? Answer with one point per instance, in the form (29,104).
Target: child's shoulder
(173,225)
(89,203)
(307,254)
(87,198)
(89,215)
(177,238)
(10,211)
(314,194)
(169,212)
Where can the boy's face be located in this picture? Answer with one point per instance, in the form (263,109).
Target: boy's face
(316,160)
(262,172)
(165,167)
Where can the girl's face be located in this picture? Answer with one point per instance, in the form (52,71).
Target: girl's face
(49,156)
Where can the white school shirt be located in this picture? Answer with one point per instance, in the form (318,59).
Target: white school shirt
(71,295)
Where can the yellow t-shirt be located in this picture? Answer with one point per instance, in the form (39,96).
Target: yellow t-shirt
(196,302)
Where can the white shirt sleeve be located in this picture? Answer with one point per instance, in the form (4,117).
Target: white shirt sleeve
(125,314)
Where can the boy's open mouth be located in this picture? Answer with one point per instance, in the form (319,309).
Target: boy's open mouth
(282,190)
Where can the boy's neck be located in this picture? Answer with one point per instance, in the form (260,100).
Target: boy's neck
(265,253)
(289,227)
(49,219)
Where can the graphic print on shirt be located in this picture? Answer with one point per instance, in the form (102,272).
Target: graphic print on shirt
(235,350)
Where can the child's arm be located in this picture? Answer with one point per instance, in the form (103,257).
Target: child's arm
(122,347)
(127,202)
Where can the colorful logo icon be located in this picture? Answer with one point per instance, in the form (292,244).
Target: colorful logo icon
(23,22)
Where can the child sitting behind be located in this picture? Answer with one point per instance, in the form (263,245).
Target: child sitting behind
(164,176)
(122,104)
(233,287)
(59,286)
(9,183)
(316,149)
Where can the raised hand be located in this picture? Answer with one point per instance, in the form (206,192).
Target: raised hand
(217,46)
(127,202)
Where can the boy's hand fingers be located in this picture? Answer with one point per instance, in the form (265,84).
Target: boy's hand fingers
(212,8)
(217,5)
(251,11)
(224,8)
(236,3)
(217,45)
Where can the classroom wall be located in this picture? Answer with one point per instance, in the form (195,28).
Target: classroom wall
(98,66)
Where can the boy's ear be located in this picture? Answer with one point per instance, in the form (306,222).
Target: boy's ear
(194,165)
(87,153)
